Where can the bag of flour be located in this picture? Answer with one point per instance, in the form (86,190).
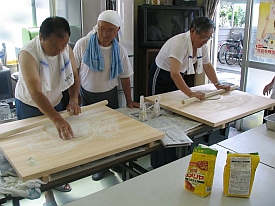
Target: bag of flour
(200,173)
(239,173)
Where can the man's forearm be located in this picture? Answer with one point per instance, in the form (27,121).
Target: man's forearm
(125,82)
(211,74)
(74,91)
(181,85)
(44,105)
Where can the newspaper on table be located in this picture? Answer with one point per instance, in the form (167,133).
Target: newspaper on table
(173,125)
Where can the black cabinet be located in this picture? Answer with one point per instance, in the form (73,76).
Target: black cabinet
(159,23)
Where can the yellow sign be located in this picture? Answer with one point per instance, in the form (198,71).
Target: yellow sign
(265,39)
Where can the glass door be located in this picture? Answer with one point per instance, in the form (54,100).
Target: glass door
(258,55)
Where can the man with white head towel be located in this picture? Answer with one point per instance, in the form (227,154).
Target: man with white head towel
(102,62)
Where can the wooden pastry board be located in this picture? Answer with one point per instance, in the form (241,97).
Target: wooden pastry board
(38,153)
(231,106)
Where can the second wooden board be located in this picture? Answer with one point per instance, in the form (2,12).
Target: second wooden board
(231,106)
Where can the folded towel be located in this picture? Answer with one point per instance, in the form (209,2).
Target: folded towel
(93,58)
(15,187)
(190,69)
(66,71)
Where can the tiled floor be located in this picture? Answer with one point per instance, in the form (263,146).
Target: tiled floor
(86,186)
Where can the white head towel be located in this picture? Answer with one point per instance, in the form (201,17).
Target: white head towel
(190,69)
(110,16)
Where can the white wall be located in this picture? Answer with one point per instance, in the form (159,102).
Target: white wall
(91,10)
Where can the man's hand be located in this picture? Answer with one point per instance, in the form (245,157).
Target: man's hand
(223,86)
(132,104)
(199,95)
(73,108)
(267,89)
(64,129)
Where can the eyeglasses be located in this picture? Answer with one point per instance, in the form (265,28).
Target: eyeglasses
(106,29)
(205,38)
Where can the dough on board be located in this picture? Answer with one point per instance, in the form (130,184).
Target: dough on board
(80,127)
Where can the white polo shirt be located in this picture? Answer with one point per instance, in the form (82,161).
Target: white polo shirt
(177,48)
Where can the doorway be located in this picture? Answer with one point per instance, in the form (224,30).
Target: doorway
(256,71)
(230,26)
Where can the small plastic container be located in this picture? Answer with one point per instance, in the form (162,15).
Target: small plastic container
(270,122)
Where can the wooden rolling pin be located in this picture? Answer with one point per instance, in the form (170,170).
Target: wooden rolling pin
(47,120)
(210,94)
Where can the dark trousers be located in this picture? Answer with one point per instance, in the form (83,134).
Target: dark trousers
(160,81)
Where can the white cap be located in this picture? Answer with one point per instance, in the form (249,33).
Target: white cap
(110,16)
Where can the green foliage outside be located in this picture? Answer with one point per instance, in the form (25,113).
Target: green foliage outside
(226,12)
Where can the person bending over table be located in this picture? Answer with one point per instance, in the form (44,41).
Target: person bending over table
(269,89)
(46,69)
(102,62)
(177,57)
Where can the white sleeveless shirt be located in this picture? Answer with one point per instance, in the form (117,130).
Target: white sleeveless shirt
(55,95)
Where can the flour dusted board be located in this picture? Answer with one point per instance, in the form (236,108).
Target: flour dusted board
(40,152)
(231,106)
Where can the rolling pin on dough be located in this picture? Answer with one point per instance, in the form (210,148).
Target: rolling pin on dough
(210,94)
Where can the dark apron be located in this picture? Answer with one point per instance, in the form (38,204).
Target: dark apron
(88,98)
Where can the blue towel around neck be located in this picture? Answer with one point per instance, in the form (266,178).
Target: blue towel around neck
(93,58)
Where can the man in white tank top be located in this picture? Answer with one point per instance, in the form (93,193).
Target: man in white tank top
(47,68)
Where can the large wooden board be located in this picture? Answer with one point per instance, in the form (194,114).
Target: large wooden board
(103,132)
(229,107)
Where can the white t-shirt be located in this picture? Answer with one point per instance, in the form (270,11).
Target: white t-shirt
(176,47)
(100,81)
(55,95)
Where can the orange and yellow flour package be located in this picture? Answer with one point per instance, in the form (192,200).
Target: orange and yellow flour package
(200,173)
(239,173)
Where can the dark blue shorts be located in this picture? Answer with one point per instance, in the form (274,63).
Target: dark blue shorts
(24,111)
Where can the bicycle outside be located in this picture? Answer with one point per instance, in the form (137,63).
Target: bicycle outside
(233,41)
(234,53)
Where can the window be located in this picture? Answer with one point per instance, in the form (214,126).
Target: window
(16,15)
